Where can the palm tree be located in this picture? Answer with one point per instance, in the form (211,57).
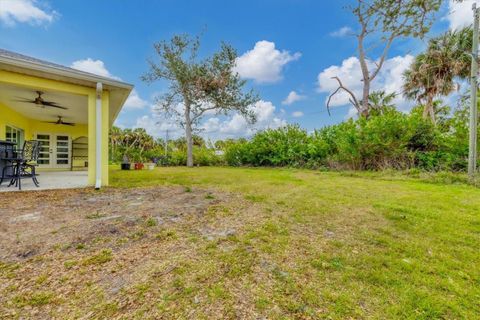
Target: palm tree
(427,79)
(131,142)
(381,102)
(433,72)
(115,139)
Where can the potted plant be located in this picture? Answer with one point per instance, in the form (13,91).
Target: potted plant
(138,161)
(125,163)
(150,165)
(150,156)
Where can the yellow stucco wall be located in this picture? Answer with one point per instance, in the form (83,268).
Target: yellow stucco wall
(9,116)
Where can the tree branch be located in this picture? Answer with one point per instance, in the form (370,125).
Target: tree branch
(202,111)
(353,100)
(384,55)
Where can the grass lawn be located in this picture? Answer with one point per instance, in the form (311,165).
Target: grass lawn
(273,244)
(339,246)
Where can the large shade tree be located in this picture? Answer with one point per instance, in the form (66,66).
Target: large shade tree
(198,85)
(433,72)
(381,23)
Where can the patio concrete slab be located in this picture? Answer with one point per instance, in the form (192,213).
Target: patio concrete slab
(52,180)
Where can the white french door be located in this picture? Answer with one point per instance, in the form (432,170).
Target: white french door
(55,150)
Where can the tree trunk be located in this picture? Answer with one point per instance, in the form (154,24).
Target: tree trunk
(188,135)
(365,96)
(428,111)
(363,108)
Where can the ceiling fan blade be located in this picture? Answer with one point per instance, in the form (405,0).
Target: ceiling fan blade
(50,103)
(53,105)
(63,123)
(24,100)
(44,103)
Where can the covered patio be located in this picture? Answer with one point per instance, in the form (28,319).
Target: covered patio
(69,112)
(52,180)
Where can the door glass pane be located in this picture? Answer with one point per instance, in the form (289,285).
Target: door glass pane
(13,134)
(21,138)
(44,155)
(62,152)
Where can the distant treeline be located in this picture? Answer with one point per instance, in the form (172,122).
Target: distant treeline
(386,140)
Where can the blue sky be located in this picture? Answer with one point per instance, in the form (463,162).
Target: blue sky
(284,46)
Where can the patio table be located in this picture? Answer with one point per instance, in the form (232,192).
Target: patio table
(14,173)
(7,150)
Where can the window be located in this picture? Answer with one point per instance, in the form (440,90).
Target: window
(14,135)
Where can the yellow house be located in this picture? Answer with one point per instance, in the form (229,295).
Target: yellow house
(69,111)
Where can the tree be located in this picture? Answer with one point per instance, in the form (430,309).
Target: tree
(380,102)
(382,22)
(432,73)
(424,81)
(132,143)
(197,86)
(115,140)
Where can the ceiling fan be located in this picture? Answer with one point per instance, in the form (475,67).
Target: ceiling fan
(39,101)
(60,121)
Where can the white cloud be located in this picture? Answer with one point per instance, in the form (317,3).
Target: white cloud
(134,101)
(264,63)
(24,11)
(157,127)
(460,14)
(292,98)
(93,66)
(297,114)
(389,79)
(352,113)
(217,127)
(237,126)
(342,32)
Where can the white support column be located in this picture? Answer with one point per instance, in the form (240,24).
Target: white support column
(98,137)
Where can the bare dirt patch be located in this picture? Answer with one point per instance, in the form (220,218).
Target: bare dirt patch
(82,253)
(36,222)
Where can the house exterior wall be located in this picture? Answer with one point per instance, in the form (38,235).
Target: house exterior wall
(32,126)
(8,117)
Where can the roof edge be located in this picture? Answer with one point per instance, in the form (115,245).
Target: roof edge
(65,71)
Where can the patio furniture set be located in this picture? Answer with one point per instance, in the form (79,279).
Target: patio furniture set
(18,164)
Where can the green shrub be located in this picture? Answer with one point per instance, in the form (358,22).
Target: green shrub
(237,154)
(388,140)
(202,156)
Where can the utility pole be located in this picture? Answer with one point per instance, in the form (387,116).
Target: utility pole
(166,144)
(472,151)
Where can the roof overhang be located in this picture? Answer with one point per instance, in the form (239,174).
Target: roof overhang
(119,91)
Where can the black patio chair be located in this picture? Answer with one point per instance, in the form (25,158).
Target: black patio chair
(23,164)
